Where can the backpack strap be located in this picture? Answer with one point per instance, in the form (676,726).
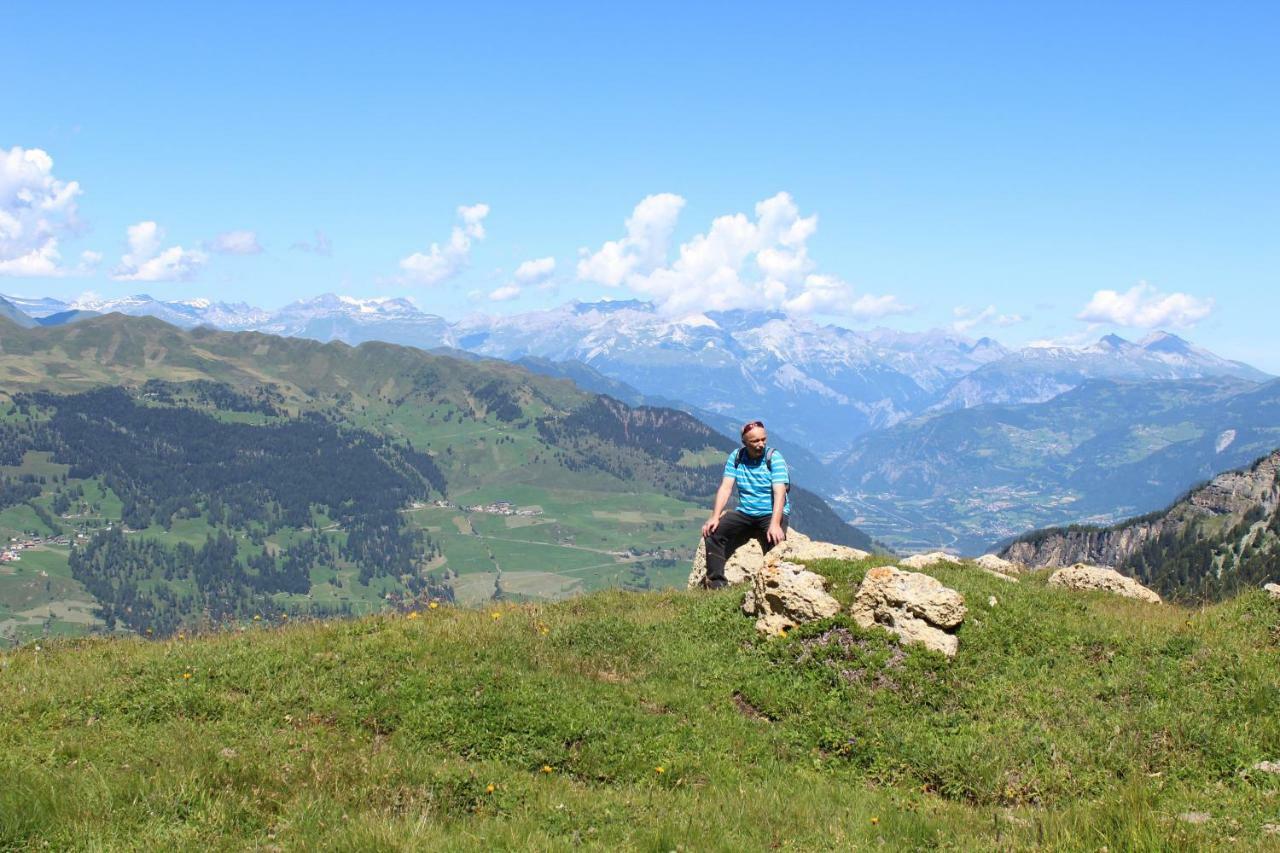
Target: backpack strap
(768,460)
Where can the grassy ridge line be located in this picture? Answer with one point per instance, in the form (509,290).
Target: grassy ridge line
(1067,721)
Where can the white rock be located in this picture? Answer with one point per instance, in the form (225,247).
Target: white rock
(916,607)
(998,564)
(744,562)
(800,548)
(784,595)
(1274,589)
(1081,576)
(922,561)
(1268,766)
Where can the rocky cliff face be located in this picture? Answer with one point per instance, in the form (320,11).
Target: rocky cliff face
(1229,498)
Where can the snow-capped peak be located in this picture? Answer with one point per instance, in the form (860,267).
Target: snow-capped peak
(698,319)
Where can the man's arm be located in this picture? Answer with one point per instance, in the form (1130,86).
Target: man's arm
(722,498)
(776,533)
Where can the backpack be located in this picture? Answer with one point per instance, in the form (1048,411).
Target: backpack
(768,462)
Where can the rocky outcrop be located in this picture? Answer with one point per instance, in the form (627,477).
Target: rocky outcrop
(923,561)
(784,595)
(916,607)
(801,548)
(1082,576)
(744,562)
(1274,590)
(1234,493)
(992,563)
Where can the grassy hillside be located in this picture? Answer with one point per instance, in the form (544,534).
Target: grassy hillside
(658,721)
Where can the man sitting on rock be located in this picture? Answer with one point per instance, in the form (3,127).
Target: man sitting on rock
(760,474)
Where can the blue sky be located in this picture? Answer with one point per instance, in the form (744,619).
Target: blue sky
(1028,171)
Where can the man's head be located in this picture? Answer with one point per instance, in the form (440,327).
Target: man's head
(754,438)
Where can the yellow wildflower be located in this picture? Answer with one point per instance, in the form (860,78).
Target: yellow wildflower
(875,821)
(489,789)
(496,615)
(659,770)
(546,768)
(433,605)
(186,676)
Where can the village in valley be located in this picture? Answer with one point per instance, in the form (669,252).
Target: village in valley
(492,508)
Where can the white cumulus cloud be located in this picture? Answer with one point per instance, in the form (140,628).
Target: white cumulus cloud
(868,307)
(505,293)
(967,318)
(649,231)
(443,262)
(536,272)
(146,260)
(36,208)
(1143,306)
(739,262)
(241,242)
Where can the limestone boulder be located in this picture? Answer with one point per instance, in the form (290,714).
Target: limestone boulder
(999,567)
(916,607)
(784,595)
(1082,576)
(748,559)
(800,548)
(923,561)
(1274,590)
(998,564)
(737,568)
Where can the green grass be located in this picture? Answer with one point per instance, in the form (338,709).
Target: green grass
(1066,721)
(37,463)
(19,521)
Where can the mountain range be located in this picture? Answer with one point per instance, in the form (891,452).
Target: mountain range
(821,385)
(915,436)
(1098,453)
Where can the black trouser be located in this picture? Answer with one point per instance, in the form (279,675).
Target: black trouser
(734,530)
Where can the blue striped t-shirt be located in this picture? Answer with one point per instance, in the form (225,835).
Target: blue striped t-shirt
(755,485)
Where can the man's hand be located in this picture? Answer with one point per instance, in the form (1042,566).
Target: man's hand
(710,526)
(776,533)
